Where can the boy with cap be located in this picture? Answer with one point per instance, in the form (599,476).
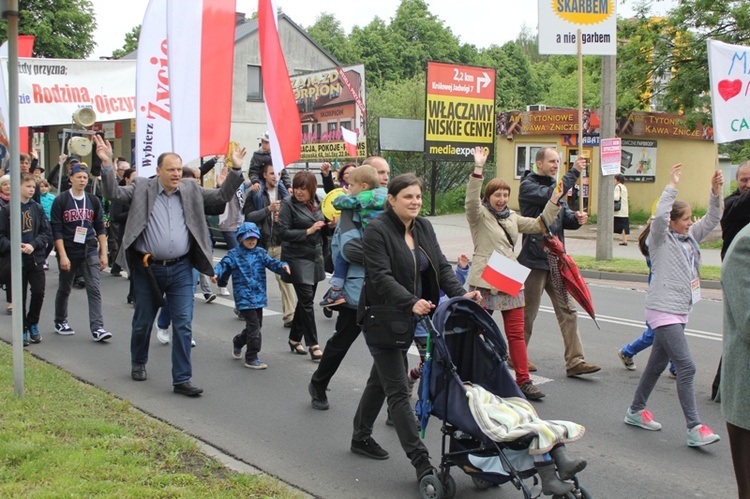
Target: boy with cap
(247,264)
(261,158)
(78,229)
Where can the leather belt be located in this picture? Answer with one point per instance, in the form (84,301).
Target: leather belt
(170,262)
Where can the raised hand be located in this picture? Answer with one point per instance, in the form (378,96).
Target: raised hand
(480,157)
(717,180)
(238,156)
(675,175)
(103,150)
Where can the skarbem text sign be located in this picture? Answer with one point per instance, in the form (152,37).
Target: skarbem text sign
(560,20)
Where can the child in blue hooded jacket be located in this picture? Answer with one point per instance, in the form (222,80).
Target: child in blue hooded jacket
(247,264)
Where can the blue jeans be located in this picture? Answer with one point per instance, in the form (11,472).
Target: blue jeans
(641,343)
(176,282)
(164,320)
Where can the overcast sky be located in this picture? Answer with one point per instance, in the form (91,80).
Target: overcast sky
(479,22)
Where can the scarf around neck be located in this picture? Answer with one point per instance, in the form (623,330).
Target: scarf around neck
(500,215)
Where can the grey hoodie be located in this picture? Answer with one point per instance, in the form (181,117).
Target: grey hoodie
(670,289)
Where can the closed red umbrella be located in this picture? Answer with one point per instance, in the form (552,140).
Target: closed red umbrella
(565,275)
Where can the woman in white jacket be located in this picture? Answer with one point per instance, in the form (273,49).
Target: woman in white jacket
(672,241)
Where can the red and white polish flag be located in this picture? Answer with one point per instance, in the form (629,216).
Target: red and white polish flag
(350,141)
(201,65)
(284,126)
(505,274)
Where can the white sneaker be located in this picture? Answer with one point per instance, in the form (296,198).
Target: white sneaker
(701,435)
(643,419)
(224,292)
(163,335)
(193,344)
(101,334)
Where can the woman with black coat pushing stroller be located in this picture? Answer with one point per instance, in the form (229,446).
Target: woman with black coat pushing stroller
(405,272)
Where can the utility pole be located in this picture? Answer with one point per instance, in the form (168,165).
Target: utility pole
(606,194)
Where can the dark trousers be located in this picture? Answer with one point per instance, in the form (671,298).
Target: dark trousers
(739,443)
(251,335)
(304,315)
(33,277)
(388,382)
(336,348)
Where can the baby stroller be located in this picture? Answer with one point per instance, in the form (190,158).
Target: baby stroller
(466,345)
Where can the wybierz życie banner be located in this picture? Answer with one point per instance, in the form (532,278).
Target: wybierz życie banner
(460,111)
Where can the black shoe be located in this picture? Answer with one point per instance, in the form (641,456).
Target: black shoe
(79,283)
(369,448)
(319,399)
(130,299)
(327,312)
(423,466)
(187,389)
(138,373)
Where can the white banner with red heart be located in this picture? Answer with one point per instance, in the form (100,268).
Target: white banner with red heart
(729,72)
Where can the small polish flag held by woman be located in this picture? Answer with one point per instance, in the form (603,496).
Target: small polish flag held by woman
(350,141)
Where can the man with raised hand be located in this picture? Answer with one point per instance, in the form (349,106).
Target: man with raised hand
(165,237)
(536,189)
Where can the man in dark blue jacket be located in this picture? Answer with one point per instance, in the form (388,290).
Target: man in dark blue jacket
(536,189)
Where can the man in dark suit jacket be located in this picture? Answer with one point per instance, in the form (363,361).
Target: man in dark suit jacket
(165,237)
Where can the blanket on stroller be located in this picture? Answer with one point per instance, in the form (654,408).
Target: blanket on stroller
(504,419)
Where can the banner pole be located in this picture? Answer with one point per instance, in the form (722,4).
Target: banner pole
(580,116)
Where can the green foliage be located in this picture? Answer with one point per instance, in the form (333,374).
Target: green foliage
(131,43)
(672,51)
(421,37)
(62,29)
(328,32)
(374,46)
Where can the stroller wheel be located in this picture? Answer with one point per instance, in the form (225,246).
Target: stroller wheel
(481,484)
(431,488)
(449,485)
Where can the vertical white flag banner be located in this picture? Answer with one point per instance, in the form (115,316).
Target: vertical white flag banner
(153,116)
(729,75)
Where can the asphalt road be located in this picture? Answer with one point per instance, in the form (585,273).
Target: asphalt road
(264,418)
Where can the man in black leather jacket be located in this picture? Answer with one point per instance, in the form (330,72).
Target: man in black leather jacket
(535,191)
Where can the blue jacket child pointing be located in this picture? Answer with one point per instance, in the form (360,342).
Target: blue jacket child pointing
(247,264)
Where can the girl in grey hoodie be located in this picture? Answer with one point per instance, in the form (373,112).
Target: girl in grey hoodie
(672,242)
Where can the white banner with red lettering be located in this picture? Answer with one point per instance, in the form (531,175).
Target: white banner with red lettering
(153,119)
(50,90)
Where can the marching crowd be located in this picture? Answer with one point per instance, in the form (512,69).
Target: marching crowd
(386,266)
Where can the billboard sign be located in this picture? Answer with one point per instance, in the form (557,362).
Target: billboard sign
(560,20)
(638,160)
(460,111)
(328,101)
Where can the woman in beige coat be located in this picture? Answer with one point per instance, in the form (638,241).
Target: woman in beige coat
(494,227)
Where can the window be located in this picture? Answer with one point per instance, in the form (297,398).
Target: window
(525,156)
(346,124)
(332,126)
(254,84)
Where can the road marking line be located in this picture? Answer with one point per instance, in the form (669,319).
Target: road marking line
(696,333)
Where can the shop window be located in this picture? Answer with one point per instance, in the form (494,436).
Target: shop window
(525,157)
(254,84)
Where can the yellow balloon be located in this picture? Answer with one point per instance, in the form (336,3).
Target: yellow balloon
(326,205)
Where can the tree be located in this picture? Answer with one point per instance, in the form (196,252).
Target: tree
(374,46)
(62,29)
(673,52)
(131,43)
(327,31)
(421,37)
